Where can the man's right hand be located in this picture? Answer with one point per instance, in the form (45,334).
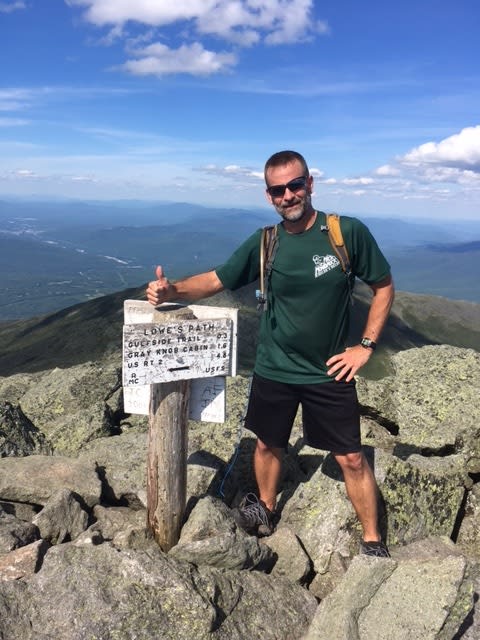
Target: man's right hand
(160,289)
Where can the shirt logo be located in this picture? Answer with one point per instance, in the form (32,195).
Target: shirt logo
(324,264)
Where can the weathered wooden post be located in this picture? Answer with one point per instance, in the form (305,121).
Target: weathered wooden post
(167,455)
(163,351)
(167,461)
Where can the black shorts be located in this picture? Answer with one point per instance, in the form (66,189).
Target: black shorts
(330,412)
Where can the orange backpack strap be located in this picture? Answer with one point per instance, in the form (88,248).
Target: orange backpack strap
(335,236)
(336,240)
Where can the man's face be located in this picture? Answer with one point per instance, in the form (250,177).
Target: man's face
(294,202)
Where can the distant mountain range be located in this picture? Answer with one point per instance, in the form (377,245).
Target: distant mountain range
(55,254)
(92,331)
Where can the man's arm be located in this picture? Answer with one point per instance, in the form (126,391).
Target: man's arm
(345,365)
(196,287)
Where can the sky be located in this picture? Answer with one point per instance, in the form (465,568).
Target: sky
(184,100)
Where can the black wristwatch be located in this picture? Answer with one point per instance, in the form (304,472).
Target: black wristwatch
(368,344)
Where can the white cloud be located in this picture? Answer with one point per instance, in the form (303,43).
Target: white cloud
(157,59)
(243,23)
(438,171)
(357,181)
(387,170)
(24,173)
(152,12)
(9,7)
(231,170)
(461,151)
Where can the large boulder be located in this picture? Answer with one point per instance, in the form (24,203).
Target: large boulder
(70,406)
(424,592)
(35,479)
(211,537)
(100,592)
(428,402)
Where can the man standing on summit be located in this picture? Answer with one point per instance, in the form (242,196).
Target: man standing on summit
(302,358)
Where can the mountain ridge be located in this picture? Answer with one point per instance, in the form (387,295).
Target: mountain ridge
(92,330)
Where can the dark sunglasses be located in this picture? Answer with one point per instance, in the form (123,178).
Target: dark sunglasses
(278,190)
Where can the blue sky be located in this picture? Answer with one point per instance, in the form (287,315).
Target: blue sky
(184,100)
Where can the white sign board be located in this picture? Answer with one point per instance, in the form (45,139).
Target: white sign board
(178,350)
(207,395)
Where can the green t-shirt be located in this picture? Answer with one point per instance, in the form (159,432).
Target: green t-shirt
(308,309)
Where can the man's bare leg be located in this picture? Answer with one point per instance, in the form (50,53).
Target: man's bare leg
(362,490)
(267,464)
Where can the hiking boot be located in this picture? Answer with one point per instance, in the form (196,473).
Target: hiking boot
(374,549)
(253,516)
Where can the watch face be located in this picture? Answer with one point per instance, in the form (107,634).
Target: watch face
(367,343)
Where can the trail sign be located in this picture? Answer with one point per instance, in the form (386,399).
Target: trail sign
(163,349)
(179,350)
(207,395)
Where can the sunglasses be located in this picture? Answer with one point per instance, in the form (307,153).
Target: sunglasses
(278,190)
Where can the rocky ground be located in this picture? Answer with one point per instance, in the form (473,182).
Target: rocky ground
(77,562)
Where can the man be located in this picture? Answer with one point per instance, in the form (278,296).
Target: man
(302,357)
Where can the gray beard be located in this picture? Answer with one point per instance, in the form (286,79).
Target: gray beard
(298,216)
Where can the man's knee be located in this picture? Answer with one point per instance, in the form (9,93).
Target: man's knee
(263,449)
(351,462)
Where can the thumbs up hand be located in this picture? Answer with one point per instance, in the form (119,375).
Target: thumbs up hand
(159,290)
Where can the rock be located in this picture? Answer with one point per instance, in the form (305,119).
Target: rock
(91,537)
(12,388)
(470,628)
(35,479)
(292,561)
(339,611)
(15,533)
(428,401)
(468,538)
(100,592)
(21,510)
(112,520)
(121,464)
(325,582)
(125,527)
(62,519)
(139,539)
(429,579)
(306,509)
(18,436)
(113,581)
(23,561)
(70,405)
(420,500)
(211,537)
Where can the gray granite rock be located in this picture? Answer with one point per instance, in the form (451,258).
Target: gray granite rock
(62,518)
(35,479)
(429,580)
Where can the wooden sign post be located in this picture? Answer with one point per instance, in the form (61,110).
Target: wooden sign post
(167,461)
(163,349)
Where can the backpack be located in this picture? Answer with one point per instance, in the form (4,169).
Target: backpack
(269,246)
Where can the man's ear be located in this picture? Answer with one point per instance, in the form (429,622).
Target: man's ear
(268,197)
(310,185)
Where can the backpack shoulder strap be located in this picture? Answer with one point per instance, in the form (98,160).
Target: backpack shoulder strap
(268,248)
(338,245)
(336,240)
